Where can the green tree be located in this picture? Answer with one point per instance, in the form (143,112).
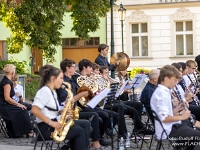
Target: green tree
(38,23)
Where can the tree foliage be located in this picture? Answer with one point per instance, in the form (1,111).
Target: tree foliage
(37,23)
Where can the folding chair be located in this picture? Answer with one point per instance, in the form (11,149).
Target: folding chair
(3,127)
(148,125)
(159,144)
(159,141)
(46,144)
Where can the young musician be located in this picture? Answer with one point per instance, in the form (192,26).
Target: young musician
(85,68)
(189,81)
(175,125)
(124,109)
(148,91)
(46,108)
(15,114)
(101,59)
(187,95)
(68,68)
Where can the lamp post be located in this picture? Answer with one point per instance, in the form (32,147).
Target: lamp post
(122,15)
(112,34)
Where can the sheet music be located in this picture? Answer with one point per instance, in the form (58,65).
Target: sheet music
(95,100)
(139,78)
(121,89)
(128,86)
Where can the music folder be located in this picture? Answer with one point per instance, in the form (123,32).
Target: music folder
(121,89)
(138,79)
(95,100)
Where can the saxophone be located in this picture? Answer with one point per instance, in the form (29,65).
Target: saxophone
(65,121)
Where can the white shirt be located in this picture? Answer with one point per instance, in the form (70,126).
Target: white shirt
(123,80)
(18,89)
(161,103)
(44,97)
(182,93)
(187,81)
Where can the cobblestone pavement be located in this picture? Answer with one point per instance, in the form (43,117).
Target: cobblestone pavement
(27,144)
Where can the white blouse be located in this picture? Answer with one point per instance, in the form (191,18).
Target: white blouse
(46,97)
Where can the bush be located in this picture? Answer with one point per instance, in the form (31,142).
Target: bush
(20,65)
(31,85)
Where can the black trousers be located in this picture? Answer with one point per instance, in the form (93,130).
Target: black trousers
(93,117)
(195,110)
(85,124)
(76,135)
(115,117)
(103,115)
(185,130)
(120,109)
(134,109)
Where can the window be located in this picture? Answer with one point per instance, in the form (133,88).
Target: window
(139,37)
(184,38)
(74,42)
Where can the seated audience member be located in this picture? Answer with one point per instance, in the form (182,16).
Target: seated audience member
(19,92)
(15,114)
(148,91)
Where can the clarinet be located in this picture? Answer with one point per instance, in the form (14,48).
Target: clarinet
(193,98)
(178,95)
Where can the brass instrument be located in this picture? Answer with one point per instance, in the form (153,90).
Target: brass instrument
(65,120)
(101,82)
(86,84)
(123,60)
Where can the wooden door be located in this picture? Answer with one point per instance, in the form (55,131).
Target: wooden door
(1,50)
(78,54)
(37,60)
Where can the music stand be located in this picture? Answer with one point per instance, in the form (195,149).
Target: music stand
(137,81)
(110,98)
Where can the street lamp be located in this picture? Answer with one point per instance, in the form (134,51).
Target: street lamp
(112,36)
(122,15)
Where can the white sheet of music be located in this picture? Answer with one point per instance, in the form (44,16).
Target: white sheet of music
(128,86)
(121,89)
(95,100)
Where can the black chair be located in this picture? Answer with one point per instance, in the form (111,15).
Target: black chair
(159,144)
(149,125)
(3,127)
(159,141)
(46,144)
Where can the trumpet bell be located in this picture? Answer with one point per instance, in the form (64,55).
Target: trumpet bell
(123,59)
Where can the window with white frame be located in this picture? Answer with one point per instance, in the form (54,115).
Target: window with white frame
(139,39)
(184,38)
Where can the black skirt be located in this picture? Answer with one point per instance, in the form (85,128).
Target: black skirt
(17,120)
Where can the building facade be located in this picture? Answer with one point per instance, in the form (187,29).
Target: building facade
(158,32)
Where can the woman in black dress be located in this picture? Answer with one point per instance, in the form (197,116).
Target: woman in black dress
(15,114)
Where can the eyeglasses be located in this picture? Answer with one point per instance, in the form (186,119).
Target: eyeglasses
(73,67)
(193,68)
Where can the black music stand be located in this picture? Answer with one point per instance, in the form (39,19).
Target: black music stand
(138,79)
(110,99)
